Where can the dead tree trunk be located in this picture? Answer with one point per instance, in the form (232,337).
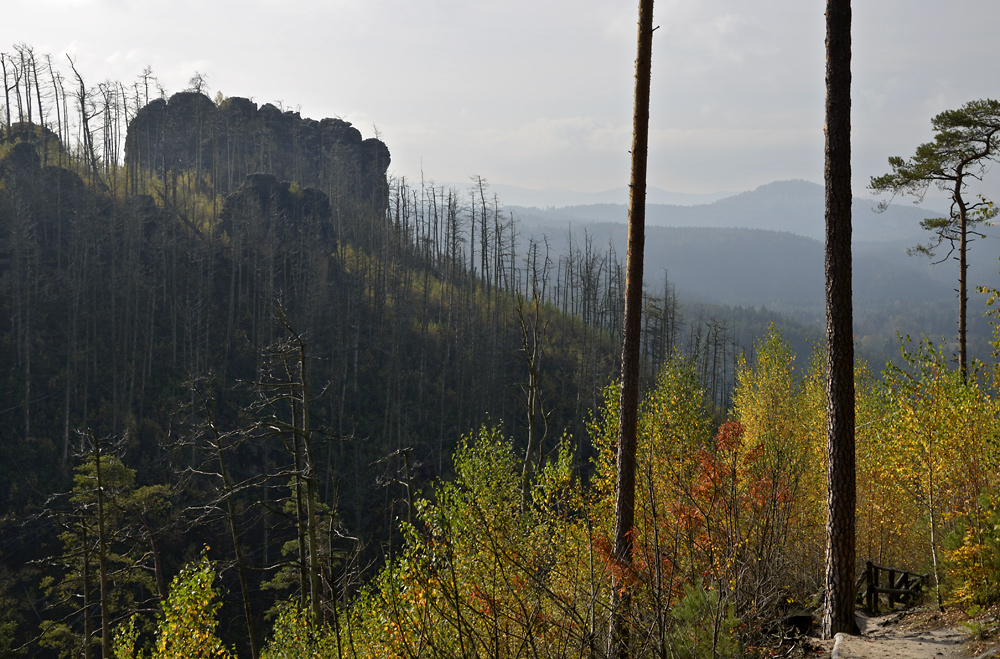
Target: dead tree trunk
(618,632)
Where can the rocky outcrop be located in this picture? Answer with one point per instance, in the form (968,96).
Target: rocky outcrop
(237,138)
(51,207)
(265,211)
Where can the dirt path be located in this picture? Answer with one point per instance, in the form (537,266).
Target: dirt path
(908,635)
(890,637)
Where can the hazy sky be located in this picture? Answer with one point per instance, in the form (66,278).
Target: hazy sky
(538,93)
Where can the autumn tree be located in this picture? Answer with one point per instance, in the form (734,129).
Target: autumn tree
(942,451)
(187,628)
(966,142)
(774,463)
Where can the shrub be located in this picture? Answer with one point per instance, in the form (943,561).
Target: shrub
(187,629)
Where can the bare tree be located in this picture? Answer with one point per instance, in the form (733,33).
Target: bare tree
(6,62)
(618,633)
(532,327)
(83,98)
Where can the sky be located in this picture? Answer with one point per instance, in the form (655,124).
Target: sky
(538,93)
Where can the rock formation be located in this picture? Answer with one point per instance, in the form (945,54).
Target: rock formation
(237,138)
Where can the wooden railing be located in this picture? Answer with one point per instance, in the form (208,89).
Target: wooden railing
(901,586)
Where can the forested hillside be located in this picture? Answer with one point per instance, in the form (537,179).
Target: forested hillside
(230,317)
(233,314)
(263,399)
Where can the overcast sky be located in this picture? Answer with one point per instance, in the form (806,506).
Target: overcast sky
(538,93)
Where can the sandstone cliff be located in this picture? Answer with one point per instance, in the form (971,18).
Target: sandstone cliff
(237,138)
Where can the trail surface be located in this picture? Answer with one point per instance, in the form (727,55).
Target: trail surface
(889,637)
(910,635)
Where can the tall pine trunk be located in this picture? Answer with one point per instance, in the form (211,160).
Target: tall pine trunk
(838,609)
(618,632)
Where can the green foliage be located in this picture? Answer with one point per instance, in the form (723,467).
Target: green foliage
(977,630)
(482,575)
(965,140)
(724,524)
(108,502)
(286,579)
(938,458)
(187,629)
(972,552)
(295,636)
(882,519)
(706,626)
(10,614)
(116,296)
(61,638)
(126,637)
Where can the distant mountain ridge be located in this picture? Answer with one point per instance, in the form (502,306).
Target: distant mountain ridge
(557,198)
(795,206)
(764,248)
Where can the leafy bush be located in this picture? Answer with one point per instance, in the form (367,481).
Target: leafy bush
(972,554)
(188,627)
(706,625)
(125,640)
(295,635)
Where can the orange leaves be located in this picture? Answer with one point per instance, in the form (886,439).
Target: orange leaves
(729,437)
(483,602)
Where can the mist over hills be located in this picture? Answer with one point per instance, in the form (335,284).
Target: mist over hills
(792,206)
(764,248)
(552,198)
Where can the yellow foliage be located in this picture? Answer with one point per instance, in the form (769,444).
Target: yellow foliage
(187,629)
(783,458)
(937,453)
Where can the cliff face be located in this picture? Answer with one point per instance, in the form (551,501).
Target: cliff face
(40,207)
(265,211)
(238,138)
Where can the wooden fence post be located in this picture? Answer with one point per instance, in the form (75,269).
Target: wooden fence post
(872,603)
